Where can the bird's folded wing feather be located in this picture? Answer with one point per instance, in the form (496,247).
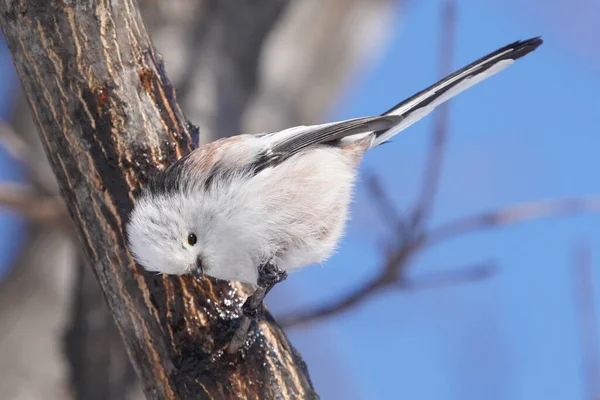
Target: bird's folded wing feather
(284,144)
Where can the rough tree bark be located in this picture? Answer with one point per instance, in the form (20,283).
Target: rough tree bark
(108,120)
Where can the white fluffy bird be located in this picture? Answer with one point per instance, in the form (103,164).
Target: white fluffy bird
(250,208)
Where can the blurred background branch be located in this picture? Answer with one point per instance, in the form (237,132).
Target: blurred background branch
(412,235)
(24,200)
(412,243)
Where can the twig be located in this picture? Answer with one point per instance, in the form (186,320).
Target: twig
(398,262)
(513,214)
(412,237)
(356,297)
(13,144)
(22,151)
(439,279)
(384,205)
(383,282)
(438,143)
(24,200)
(388,276)
(584,289)
(407,229)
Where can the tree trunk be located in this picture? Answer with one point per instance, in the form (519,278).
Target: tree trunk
(108,120)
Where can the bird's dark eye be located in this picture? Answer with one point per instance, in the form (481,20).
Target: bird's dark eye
(192,239)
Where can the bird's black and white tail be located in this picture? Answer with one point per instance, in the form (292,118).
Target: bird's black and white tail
(281,145)
(416,107)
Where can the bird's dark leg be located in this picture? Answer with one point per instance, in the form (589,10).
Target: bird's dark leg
(269,275)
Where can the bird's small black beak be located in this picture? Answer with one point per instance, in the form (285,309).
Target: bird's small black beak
(199,269)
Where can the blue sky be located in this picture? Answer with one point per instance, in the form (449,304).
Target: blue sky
(12,226)
(528,133)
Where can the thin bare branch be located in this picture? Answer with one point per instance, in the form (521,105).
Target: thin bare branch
(22,151)
(584,290)
(13,144)
(24,200)
(386,281)
(384,205)
(398,262)
(411,235)
(388,276)
(433,167)
(458,276)
(513,214)
(351,300)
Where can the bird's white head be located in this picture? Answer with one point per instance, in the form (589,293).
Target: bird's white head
(163,236)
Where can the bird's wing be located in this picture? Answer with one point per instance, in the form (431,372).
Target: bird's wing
(284,144)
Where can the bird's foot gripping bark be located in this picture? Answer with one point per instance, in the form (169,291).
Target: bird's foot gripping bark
(269,275)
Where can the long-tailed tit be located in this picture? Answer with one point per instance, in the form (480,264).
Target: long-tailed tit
(250,208)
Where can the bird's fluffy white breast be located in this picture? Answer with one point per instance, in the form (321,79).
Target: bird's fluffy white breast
(294,212)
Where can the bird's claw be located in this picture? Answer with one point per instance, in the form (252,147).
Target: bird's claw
(269,275)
